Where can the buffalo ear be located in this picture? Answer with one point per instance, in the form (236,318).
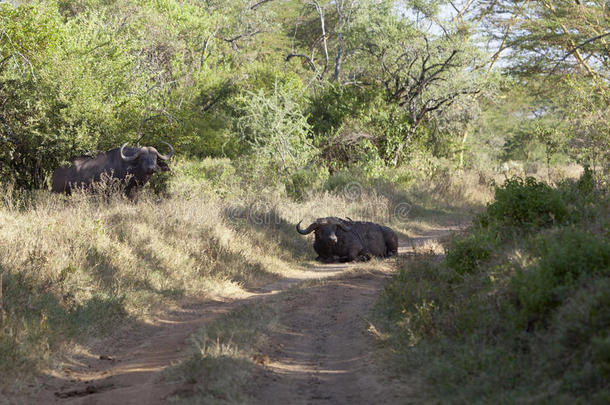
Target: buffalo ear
(163,165)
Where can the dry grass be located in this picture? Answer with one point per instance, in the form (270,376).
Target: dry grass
(74,268)
(222,361)
(79,267)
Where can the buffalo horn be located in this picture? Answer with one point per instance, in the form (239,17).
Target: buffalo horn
(309,229)
(171,152)
(342,225)
(132,157)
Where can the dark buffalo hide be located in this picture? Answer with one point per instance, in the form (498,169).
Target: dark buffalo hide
(132,167)
(340,240)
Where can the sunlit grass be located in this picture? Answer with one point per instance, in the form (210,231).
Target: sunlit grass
(80,267)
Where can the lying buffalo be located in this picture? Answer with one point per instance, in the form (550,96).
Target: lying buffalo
(340,240)
(133,167)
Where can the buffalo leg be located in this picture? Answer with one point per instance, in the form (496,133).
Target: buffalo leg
(332,259)
(392,247)
(364,257)
(353,254)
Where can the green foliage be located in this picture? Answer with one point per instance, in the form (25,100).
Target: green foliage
(87,75)
(519,305)
(303,182)
(566,259)
(332,106)
(356,127)
(415,306)
(93,74)
(586,183)
(28,32)
(276,128)
(339,180)
(30,35)
(586,108)
(550,29)
(466,253)
(525,203)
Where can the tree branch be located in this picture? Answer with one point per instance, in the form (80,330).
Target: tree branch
(233,40)
(305,57)
(588,41)
(260,3)
(322,27)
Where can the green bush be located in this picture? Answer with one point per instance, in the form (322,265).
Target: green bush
(518,308)
(302,182)
(341,179)
(581,197)
(525,203)
(333,106)
(467,252)
(565,259)
(353,126)
(275,127)
(416,295)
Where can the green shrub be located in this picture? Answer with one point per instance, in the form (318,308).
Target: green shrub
(565,259)
(468,251)
(586,183)
(416,295)
(581,197)
(333,105)
(275,127)
(304,181)
(601,353)
(216,171)
(509,315)
(525,203)
(340,180)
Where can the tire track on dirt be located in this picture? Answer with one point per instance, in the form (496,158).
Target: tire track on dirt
(323,349)
(322,352)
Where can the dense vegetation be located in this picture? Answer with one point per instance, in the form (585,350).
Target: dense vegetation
(279,107)
(517,309)
(340,84)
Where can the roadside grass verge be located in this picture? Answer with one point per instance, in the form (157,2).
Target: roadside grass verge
(518,308)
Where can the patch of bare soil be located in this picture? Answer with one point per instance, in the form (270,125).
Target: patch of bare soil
(321,352)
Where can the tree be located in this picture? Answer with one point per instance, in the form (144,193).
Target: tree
(552,35)
(421,72)
(276,128)
(561,49)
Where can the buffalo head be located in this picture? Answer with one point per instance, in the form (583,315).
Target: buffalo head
(325,229)
(146,159)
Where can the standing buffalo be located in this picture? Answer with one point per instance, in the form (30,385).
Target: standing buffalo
(339,240)
(131,166)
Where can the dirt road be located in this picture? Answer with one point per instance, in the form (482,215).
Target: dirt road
(319,353)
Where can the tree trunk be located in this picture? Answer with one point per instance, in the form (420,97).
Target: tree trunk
(397,153)
(462,147)
(1,307)
(338,57)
